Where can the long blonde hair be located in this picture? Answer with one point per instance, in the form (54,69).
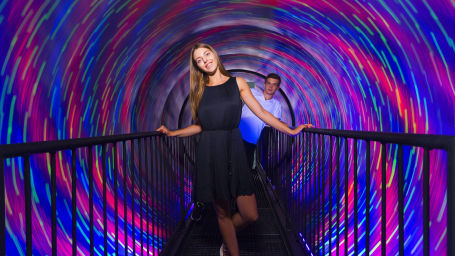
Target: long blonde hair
(199,79)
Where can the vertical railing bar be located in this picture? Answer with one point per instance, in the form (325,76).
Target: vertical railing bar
(320,196)
(302,180)
(156,191)
(295,175)
(384,199)
(311,189)
(90,168)
(298,173)
(174,180)
(305,184)
(451,197)
(426,202)
(74,202)
(150,199)
(2,206)
(284,173)
(176,183)
(160,194)
(125,193)
(182,179)
(313,207)
(152,186)
(338,193)
(367,198)
(103,164)
(171,187)
(28,206)
(133,202)
(310,193)
(165,190)
(139,146)
(54,202)
(355,199)
(400,200)
(312,183)
(115,169)
(346,196)
(147,205)
(308,174)
(323,193)
(168,190)
(289,141)
(158,184)
(330,193)
(283,170)
(296,183)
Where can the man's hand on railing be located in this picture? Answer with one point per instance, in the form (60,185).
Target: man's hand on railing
(300,128)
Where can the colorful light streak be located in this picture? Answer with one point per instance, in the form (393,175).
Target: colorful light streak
(71,69)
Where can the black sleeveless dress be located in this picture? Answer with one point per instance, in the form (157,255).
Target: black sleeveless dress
(221,166)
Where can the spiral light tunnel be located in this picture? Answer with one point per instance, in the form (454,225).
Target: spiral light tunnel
(84,68)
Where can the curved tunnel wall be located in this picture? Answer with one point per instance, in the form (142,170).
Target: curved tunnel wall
(73,69)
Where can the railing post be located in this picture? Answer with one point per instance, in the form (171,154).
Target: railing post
(355,199)
(384,199)
(2,206)
(125,199)
(451,198)
(338,193)
(400,201)
(90,182)
(367,197)
(133,202)
(103,165)
(115,170)
(323,192)
(330,193)
(28,206)
(147,205)
(54,203)
(74,201)
(346,196)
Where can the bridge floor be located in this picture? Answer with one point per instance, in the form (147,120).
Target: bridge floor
(260,238)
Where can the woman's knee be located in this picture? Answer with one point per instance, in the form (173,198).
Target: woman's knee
(251,216)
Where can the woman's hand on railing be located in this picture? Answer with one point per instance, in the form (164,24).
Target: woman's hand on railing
(299,128)
(164,130)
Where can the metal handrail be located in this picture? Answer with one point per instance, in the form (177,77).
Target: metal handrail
(162,175)
(420,140)
(307,170)
(19,149)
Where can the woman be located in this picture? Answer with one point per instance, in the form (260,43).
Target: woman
(222,172)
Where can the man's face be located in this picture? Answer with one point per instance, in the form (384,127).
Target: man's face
(271,85)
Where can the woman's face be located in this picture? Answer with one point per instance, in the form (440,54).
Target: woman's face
(205,60)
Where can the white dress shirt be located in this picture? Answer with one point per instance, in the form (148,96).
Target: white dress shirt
(250,125)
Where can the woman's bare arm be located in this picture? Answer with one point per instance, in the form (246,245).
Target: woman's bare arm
(184,132)
(263,114)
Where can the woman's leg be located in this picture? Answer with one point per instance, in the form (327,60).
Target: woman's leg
(226,226)
(248,212)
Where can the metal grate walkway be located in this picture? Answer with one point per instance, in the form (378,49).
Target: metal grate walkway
(260,238)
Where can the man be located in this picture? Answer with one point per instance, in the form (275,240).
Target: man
(250,125)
